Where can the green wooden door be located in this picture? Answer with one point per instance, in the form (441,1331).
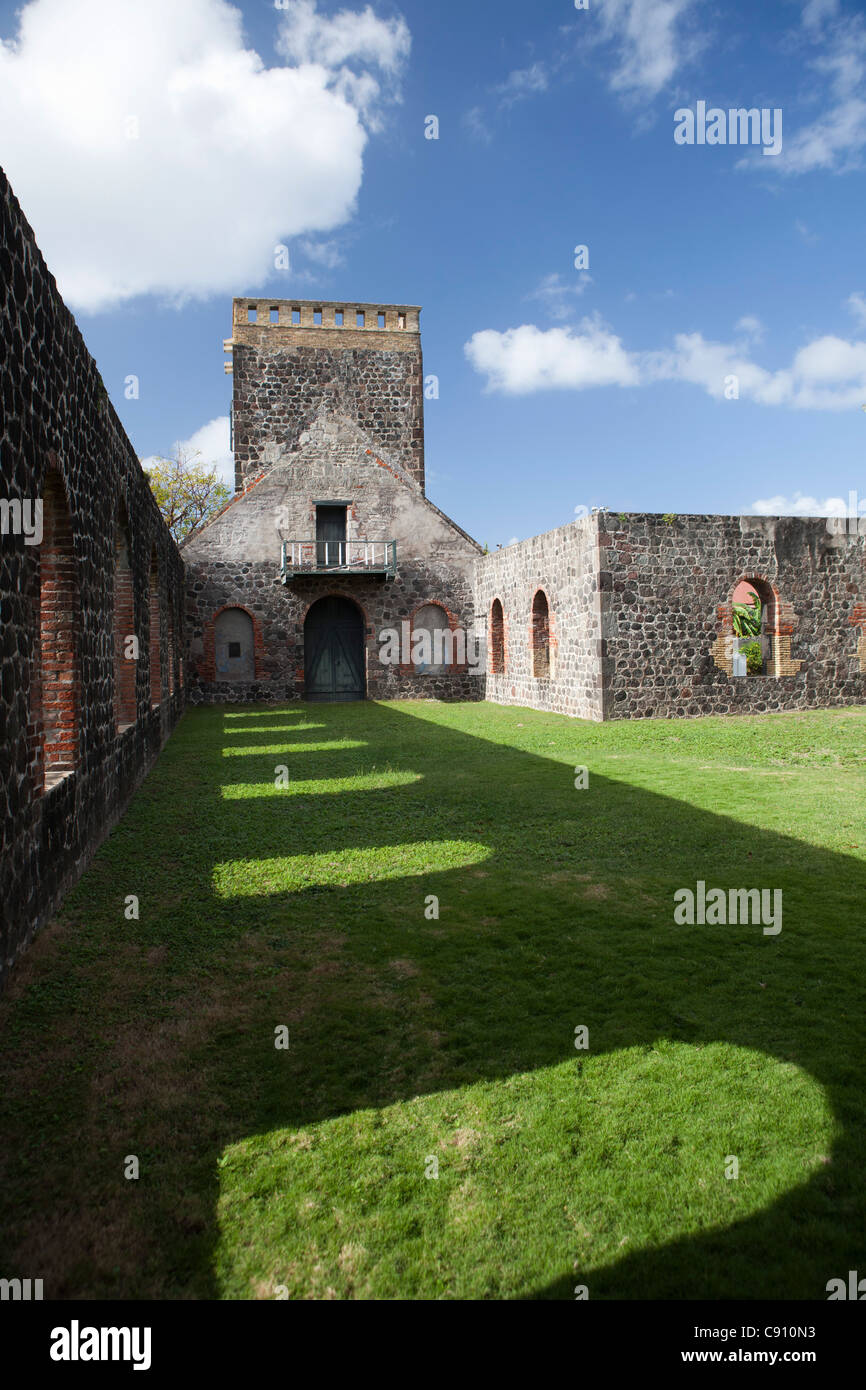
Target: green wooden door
(330,537)
(334,651)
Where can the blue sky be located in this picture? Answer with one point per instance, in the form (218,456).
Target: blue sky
(162,151)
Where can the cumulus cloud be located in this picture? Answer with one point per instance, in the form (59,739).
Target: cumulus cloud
(154,152)
(346,47)
(826,374)
(527,359)
(211,443)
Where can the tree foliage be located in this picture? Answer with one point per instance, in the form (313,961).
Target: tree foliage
(187,492)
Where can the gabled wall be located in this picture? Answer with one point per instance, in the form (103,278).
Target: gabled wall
(236,561)
(56,422)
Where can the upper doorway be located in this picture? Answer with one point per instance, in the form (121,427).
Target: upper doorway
(330,537)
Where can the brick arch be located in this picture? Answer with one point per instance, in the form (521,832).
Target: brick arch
(780,623)
(123,622)
(453,624)
(55,692)
(858,620)
(339,593)
(171,645)
(154,595)
(497,646)
(207,665)
(541,639)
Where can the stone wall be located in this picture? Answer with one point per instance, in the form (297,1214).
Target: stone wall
(563,564)
(667,587)
(235,561)
(76,734)
(641,615)
(286,375)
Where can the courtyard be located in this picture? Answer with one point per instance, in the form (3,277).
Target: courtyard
(387,1001)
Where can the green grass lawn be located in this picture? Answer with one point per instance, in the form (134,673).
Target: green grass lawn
(421,1043)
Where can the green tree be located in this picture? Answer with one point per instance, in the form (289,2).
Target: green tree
(187,492)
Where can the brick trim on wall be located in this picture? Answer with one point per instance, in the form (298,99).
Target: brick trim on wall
(452,668)
(207,665)
(497,651)
(858,619)
(125,702)
(536,628)
(782,624)
(59,687)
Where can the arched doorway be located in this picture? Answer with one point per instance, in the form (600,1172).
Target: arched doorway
(334,651)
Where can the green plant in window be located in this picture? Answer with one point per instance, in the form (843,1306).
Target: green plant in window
(747,618)
(754,658)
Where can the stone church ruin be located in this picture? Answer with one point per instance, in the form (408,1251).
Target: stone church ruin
(108,629)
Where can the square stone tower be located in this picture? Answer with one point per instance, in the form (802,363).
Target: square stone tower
(294,360)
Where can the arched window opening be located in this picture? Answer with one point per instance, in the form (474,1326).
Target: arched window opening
(234,646)
(540,636)
(125,656)
(433,648)
(171,650)
(155,635)
(497,639)
(59,688)
(754,628)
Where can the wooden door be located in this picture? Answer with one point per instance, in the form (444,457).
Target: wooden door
(330,537)
(334,652)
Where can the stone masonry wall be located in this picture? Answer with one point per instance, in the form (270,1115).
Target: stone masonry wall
(61,443)
(235,561)
(667,587)
(285,376)
(563,563)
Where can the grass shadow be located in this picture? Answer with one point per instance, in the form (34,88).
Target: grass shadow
(307,907)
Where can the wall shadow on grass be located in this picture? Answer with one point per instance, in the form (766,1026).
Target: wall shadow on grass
(557,909)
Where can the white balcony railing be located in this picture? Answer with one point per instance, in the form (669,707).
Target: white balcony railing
(343,557)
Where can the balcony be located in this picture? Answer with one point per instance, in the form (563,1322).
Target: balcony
(307,558)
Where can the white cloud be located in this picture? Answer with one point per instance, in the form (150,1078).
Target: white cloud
(652,43)
(227,158)
(826,374)
(326,254)
(527,359)
(834,140)
(342,44)
(556,294)
(816,11)
(857,304)
(521,83)
(751,326)
(474,122)
(211,442)
(800,505)
(308,37)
